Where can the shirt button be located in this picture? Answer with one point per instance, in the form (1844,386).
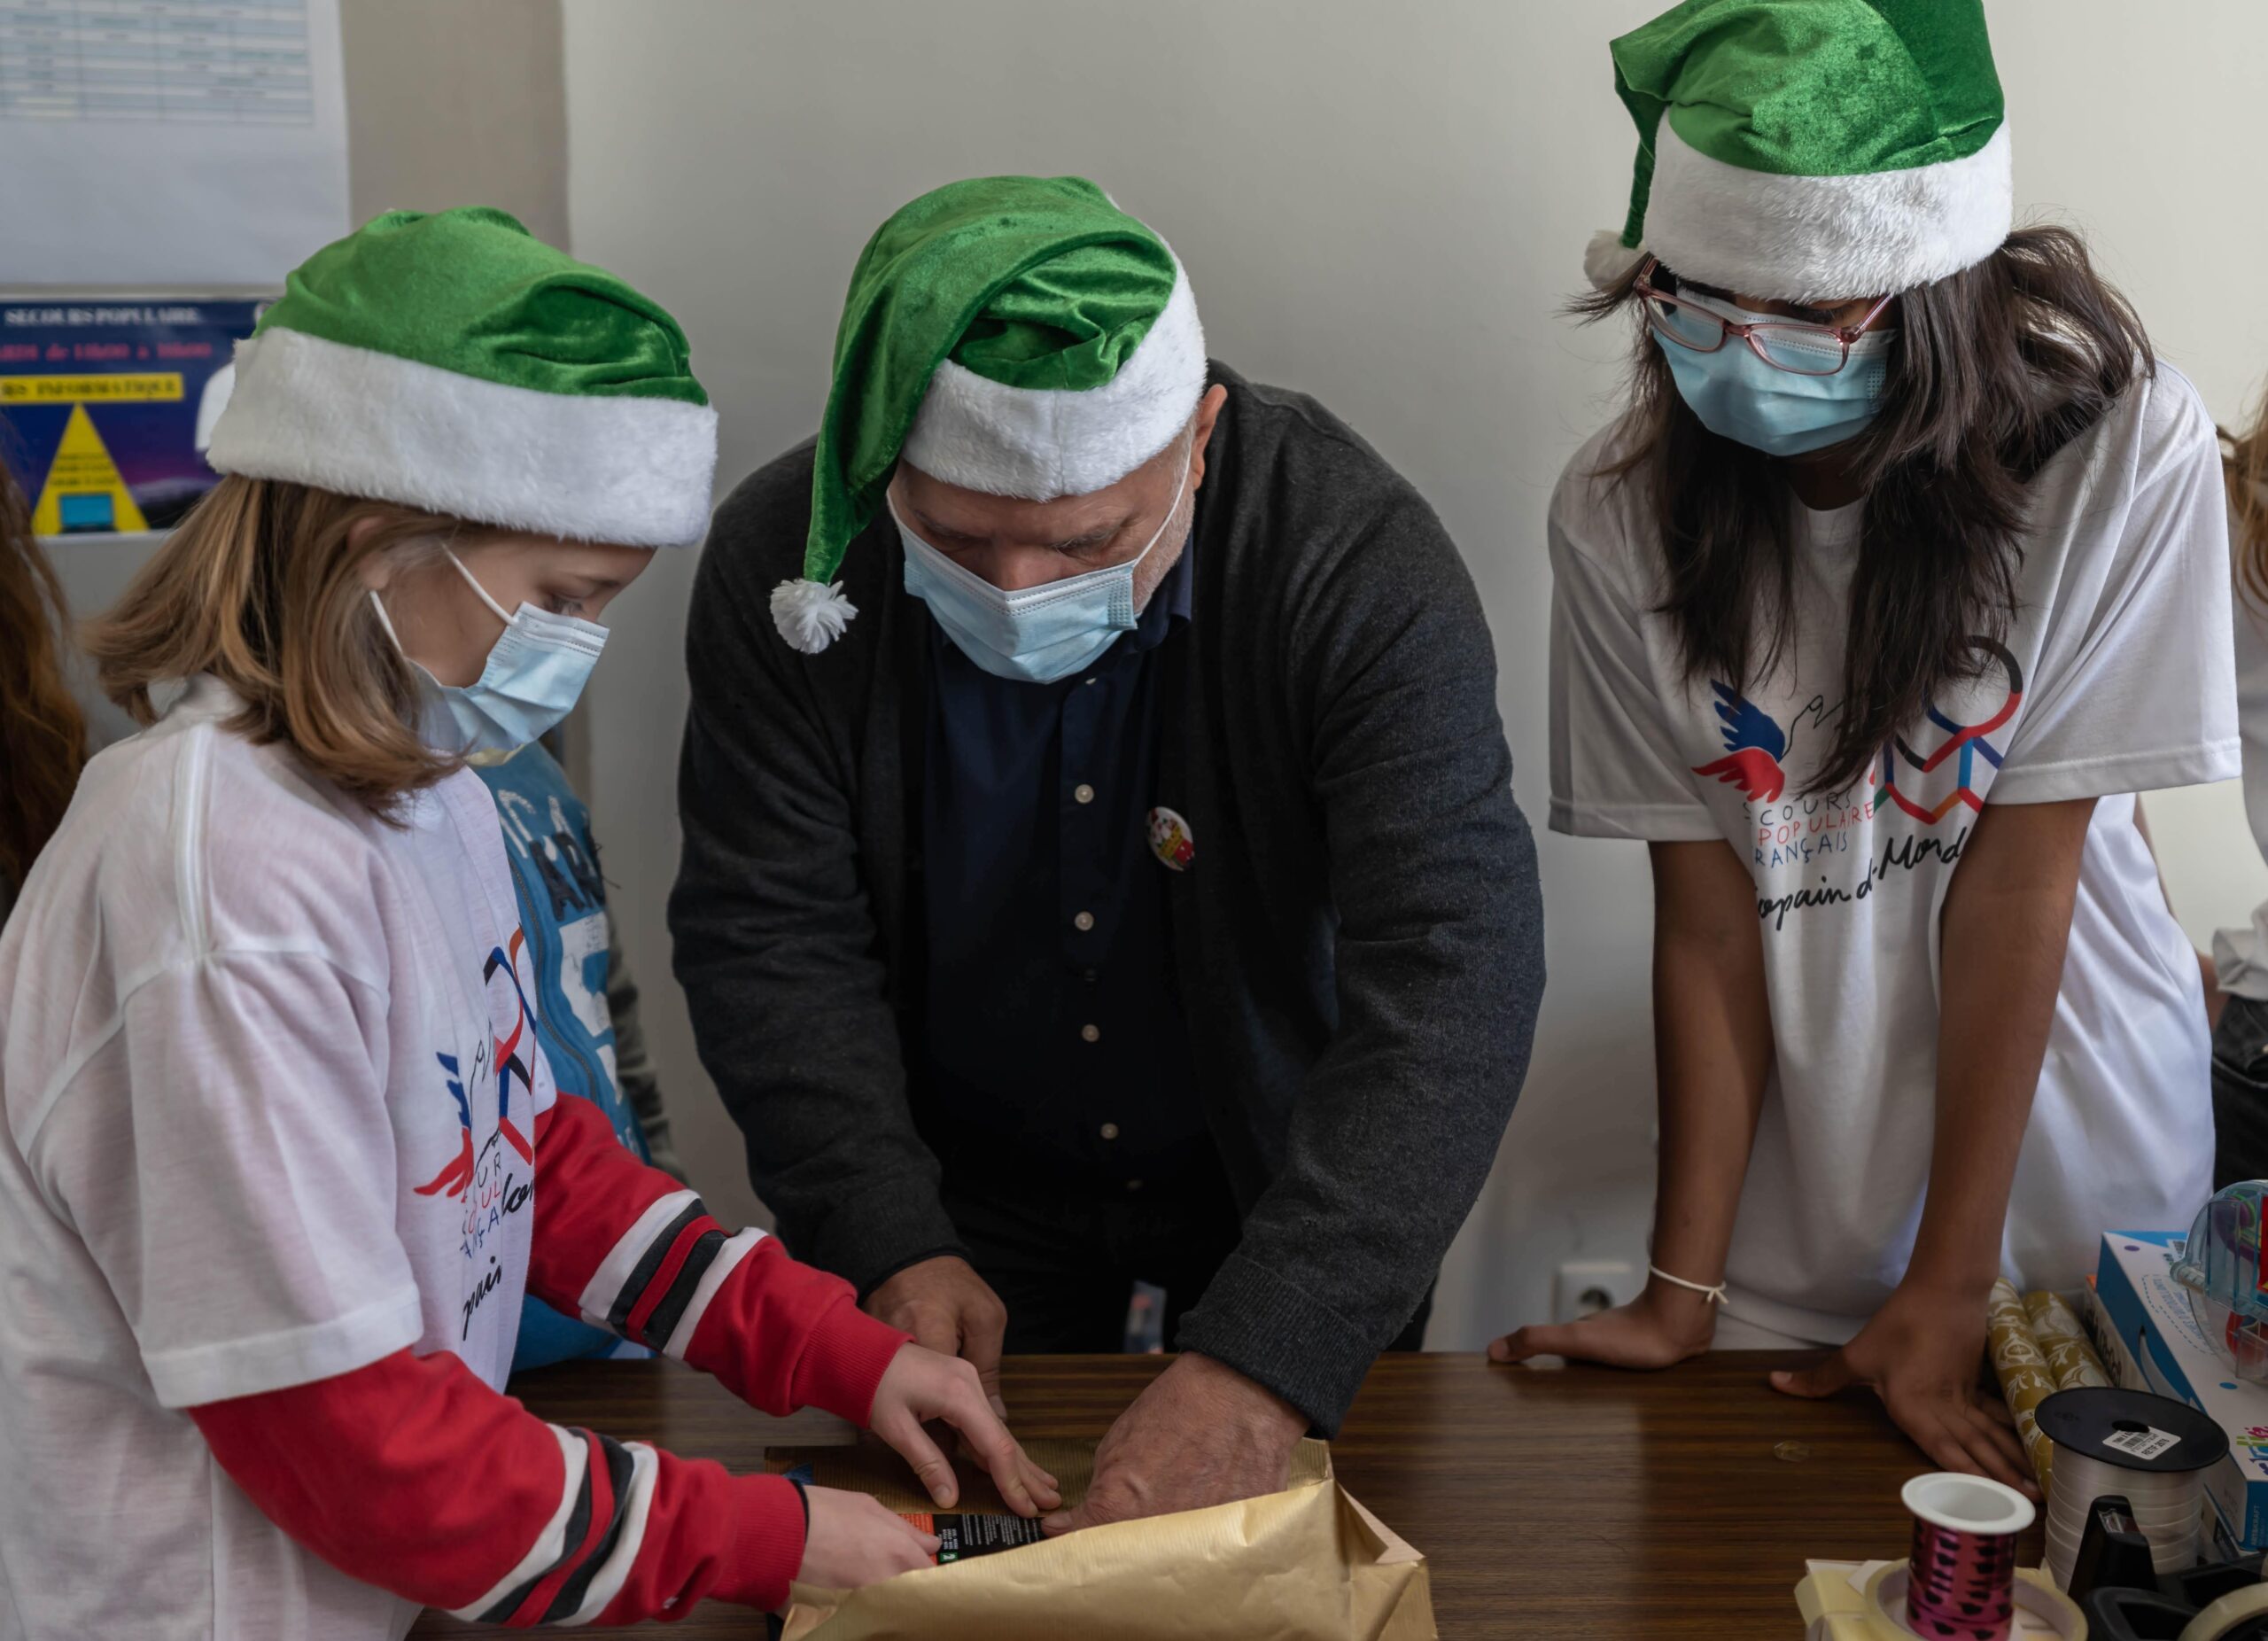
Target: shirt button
(1083,922)
(1110,1131)
(1093,1034)
(1084,793)
(1093,680)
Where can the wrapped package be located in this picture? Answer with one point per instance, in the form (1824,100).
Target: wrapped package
(2022,1366)
(1307,1564)
(2062,1339)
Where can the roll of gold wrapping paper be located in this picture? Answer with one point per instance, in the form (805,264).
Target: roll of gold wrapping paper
(2025,1378)
(2062,1339)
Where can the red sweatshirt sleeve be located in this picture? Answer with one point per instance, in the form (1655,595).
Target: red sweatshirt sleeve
(412,1474)
(628,1248)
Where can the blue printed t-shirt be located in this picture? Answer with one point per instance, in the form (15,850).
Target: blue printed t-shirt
(563,911)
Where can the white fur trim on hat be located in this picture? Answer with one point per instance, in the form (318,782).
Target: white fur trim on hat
(597,468)
(1041,443)
(210,404)
(1833,238)
(1606,259)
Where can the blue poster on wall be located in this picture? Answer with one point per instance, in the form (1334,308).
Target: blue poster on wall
(101,404)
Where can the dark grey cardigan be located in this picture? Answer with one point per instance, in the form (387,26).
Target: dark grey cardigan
(1359,937)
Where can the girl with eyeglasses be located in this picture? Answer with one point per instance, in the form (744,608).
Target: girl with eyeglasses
(1904,570)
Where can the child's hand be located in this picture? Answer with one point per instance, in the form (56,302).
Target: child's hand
(854,1539)
(1921,1353)
(920,1384)
(1663,1326)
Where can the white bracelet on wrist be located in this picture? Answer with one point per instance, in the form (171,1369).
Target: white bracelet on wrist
(1714,1293)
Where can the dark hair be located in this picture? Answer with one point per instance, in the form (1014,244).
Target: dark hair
(1993,371)
(42,733)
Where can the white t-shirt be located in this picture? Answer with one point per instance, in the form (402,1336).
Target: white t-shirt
(256,1136)
(2241,955)
(2115,678)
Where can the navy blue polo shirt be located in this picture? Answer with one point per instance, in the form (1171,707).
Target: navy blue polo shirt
(1054,1032)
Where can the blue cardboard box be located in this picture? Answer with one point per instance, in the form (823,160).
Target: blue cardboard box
(2150,1340)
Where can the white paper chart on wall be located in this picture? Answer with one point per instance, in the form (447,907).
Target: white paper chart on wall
(169,142)
(192,60)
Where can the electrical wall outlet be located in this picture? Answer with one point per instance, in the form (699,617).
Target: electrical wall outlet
(1581,1287)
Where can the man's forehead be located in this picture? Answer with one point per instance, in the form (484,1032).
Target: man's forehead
(973,512)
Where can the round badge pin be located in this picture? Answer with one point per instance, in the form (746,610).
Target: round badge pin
(1170,840)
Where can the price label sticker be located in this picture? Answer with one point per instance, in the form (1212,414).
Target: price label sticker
(2149,1442)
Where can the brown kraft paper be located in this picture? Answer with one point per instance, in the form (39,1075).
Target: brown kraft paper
(1307,1564)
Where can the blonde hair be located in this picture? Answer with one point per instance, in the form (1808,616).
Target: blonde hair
(2245,467)
(261,586)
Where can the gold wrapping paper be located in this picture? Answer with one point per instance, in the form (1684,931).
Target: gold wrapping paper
(2025,1378)
(2062,1339)
(1307,1564)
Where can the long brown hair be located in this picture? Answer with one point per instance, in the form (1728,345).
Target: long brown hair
(1993,371)
(43,733)
(2245,466)
(261,586)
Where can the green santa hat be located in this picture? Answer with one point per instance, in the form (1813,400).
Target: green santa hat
(1812,149)
(456,362)
(1016,335)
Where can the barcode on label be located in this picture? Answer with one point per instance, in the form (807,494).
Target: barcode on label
(2142,1444)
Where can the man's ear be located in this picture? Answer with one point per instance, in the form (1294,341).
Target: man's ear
(1208,412)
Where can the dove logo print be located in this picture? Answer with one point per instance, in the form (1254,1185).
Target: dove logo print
(1944,777)
(1756,748)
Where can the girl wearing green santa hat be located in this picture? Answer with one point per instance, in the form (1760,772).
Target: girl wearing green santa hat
(1903,571)
(282,1151)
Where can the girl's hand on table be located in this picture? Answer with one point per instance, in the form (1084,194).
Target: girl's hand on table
(1662,1326)
(1921,1353)
(854,1539)
(921,1385)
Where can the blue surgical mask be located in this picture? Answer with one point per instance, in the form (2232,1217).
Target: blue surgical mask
(1041,633)
(533,676)
(1779,412)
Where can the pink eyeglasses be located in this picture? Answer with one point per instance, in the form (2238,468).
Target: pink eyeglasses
(1790,345)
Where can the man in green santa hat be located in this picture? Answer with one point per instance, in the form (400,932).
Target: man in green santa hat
(1100,858)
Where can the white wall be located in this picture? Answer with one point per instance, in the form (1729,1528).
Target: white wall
(445,105)
(1381,205)
(453,105)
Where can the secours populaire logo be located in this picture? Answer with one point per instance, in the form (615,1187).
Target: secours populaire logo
(493,1091)
(1939,773)
(1756,748)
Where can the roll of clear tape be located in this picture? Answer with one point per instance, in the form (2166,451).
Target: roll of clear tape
(2062,1341)
(2221,1619)
(2026,1380)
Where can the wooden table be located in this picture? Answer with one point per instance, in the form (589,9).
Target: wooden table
(1577,1503)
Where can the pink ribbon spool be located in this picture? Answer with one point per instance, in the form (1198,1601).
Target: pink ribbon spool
(1961,1581)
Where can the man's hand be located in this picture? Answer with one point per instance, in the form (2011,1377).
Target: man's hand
(947,1307)
(1921,1353)
(1202,1433)
(920,1386)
